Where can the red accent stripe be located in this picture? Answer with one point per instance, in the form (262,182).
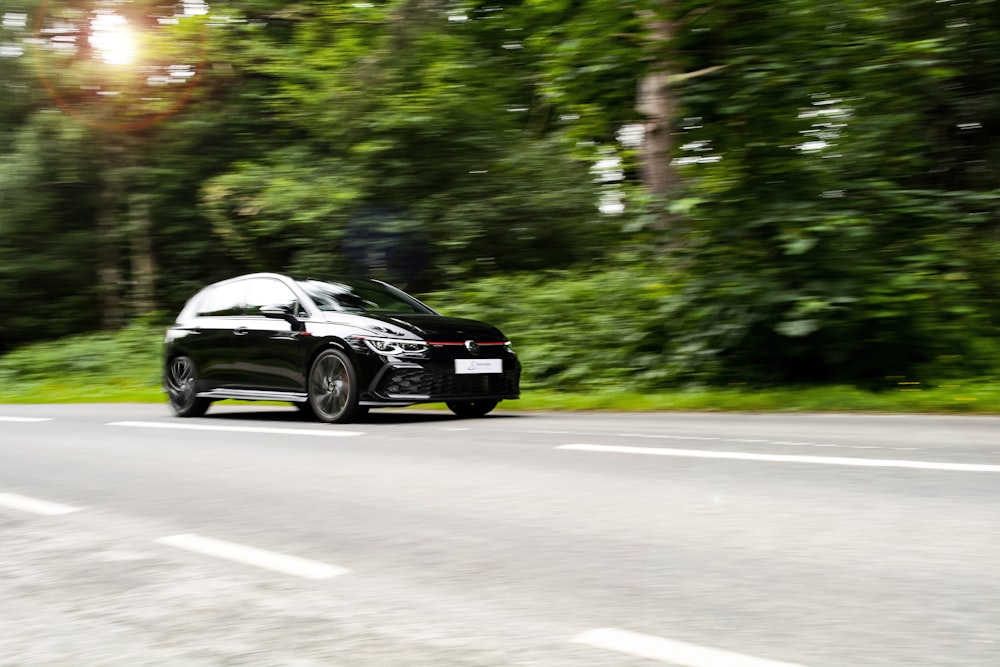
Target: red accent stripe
(460,343)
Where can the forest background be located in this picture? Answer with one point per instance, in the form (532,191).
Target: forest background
(646,195)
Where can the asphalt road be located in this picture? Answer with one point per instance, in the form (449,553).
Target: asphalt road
(253,537)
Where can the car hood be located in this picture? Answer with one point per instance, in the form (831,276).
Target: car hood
(428,327)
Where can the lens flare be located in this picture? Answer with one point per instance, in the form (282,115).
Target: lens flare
(112,38)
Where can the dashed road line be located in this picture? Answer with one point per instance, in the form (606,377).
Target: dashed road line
(322,432)
(25,419)
(34,505)
(670,650)
(787,458)
(262,558)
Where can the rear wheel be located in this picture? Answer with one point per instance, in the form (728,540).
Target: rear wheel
(182,386)
(333,388)
(471,408)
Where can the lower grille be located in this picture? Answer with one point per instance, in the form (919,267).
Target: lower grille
(432,383)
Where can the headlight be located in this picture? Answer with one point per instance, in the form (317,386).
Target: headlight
(395,347)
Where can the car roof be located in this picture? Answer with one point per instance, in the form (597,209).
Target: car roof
(299,277)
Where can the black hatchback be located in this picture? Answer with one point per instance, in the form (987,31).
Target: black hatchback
(333,348)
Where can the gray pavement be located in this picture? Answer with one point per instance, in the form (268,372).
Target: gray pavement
(487,542)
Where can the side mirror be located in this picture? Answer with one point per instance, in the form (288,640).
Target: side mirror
(282,313)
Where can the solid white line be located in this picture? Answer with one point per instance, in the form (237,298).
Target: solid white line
(34,505)
(267,560)
(324,432)
(25,419)
(783,458)
(661,436)
(669,650)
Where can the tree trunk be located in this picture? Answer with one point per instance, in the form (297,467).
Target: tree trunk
(108,271)
(655,101)
(143,266)
(657,104)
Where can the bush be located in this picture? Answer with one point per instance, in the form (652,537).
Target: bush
(132,353)
(574,330)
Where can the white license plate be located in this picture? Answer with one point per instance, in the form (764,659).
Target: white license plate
(475,366)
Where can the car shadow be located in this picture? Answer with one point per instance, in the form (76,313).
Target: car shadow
(397,416)
(377,416)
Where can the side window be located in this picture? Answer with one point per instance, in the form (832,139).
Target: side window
(268,292)
(222,300)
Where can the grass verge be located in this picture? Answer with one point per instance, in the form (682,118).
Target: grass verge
(125,367)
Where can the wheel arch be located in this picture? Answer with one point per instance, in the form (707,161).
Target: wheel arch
(330,342)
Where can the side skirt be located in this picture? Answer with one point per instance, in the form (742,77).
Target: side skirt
(254,395)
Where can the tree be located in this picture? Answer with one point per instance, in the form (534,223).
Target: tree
(393,131)
(845,231)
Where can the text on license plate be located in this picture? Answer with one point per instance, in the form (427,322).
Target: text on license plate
(471,366)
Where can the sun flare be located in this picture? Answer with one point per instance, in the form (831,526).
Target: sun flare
(113,39)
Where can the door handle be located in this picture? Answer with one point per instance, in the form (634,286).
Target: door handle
(241,331)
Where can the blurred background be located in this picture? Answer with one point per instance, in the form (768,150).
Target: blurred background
(646,194)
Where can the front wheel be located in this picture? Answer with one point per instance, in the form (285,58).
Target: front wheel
(471,408)
(333,388)
(182,387)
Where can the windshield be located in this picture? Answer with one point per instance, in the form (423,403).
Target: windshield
(361,297)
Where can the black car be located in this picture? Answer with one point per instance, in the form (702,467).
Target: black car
(334,348)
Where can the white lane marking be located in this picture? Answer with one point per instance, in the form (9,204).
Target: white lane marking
(325,432)
(670,650)
(661,436)
(788,458)
(34,505)
(267,560)
(25,419)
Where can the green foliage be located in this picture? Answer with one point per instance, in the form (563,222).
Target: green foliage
(848,230)
(46,248)
(842,295)
(837,220)
(131,357)
(126,367)
(575,331)
(407,153)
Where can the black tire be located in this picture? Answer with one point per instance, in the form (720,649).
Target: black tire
(181,381)
(333,388)
(471,408)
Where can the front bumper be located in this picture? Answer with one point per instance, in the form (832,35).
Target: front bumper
(436,380)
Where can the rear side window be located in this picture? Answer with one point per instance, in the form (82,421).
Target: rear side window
(221,300)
